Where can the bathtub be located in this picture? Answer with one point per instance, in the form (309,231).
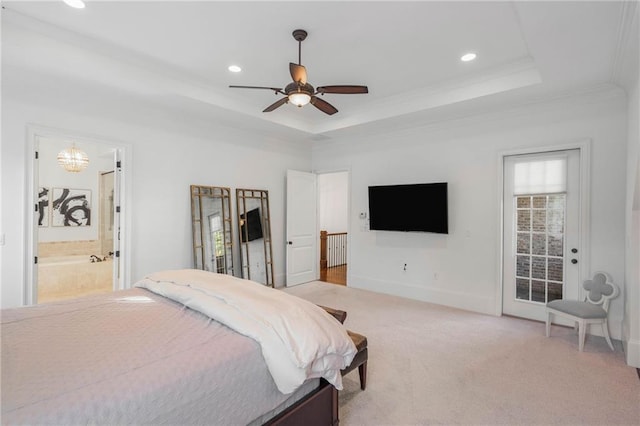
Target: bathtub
(63,277)
(66,260)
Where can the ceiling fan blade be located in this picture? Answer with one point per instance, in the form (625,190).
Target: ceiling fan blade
(298,73)
(277,104)
(346,89)
(323,105)
(275,89)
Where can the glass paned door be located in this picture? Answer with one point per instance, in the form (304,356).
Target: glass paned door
(541,231)
(539,249)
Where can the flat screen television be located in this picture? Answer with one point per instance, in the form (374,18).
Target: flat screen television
(250,225)
(420,207)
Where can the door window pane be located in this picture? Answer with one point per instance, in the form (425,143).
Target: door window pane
(555,245)
(554,291)
(539,243)
(522,289)
(539,202)
(556,201)
(540,247)
(538,267)
(555,269)
(538,291)
(556,221)
(522,266)
(524,202)
(523,242)
(539,220)
(524,220)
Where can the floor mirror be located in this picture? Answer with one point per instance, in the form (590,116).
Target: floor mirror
(212,228)
(254,230)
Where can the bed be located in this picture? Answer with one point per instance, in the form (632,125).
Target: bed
(181,347)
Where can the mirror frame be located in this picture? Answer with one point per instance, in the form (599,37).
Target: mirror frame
(242,195)
(198,192)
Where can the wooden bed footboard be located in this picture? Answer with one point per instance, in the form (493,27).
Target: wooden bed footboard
(319,408)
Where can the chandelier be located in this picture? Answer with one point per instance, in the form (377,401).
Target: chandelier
(72,159)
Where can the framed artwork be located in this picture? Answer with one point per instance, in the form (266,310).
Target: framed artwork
(71,207)
(43,207)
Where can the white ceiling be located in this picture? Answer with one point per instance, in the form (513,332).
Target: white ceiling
(407,53)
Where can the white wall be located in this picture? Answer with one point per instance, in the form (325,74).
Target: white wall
(631,326)
(629,78)
(333,202)
(169,152)
(462,269)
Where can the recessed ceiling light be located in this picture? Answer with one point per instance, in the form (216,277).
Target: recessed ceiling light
(234,68)
(468,57)
(78,4)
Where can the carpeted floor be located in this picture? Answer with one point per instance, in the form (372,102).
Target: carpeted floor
(430,364)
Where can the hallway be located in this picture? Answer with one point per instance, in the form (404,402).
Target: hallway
(337,275)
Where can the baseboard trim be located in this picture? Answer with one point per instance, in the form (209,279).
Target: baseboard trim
(459,300)
(632,352)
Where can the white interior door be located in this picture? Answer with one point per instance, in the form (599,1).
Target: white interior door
(541,202)
(302,265)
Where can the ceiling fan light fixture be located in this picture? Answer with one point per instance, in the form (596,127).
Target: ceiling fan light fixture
(299,92)
(299,99)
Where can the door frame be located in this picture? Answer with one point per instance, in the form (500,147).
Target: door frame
(34,132)
(346,170)
(317,240)
(584,147)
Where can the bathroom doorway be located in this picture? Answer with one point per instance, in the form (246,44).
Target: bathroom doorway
(77,231)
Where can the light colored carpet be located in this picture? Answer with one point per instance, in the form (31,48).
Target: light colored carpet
(430,364)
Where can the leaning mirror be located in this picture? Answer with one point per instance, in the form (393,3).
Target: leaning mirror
(211,223)
(254,230)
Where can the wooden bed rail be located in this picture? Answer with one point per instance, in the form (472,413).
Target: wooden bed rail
(319,408)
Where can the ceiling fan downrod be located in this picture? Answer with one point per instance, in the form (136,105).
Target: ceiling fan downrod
(299,35)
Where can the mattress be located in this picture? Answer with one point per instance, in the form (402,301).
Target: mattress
(131,357)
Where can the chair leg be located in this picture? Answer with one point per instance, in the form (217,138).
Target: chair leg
(605,331)
(581,334)
(548,325)
(362,371)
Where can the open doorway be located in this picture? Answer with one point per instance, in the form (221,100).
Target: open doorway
(333,220)
(77,231)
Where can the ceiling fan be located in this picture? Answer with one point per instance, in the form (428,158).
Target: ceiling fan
(300,92)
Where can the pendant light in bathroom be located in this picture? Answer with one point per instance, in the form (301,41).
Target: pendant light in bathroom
(73,159)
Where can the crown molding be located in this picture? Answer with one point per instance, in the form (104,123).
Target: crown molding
(480,115)
(628,15)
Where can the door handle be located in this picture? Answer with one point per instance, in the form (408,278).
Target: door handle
(574,250)
(574,261)
(290,243)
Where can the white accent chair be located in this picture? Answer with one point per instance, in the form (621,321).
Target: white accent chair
(593,310)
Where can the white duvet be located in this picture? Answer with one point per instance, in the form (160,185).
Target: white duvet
(299,340)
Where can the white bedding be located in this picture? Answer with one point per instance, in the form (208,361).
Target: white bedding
(131,357)
(299,340)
